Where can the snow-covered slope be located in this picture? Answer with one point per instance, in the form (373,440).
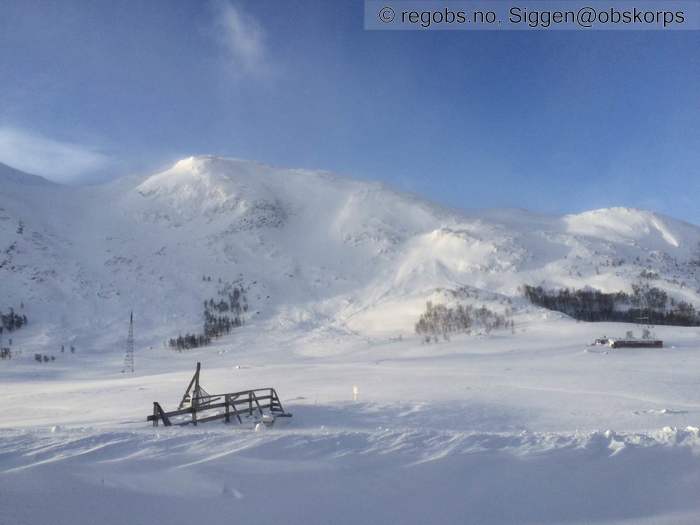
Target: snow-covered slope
(524,426)
(312,248)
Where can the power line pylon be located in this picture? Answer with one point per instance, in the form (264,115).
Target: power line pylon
(129,356)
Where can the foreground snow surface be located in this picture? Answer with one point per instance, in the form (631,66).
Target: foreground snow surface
(532,427)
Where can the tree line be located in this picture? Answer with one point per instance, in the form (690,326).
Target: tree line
(645,304)
(220,317)
(12,321)
(440,320)
(188,341)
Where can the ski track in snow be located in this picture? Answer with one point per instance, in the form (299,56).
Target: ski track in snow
(409,475)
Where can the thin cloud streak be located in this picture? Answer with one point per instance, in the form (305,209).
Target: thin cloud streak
(242,37)
(53,159)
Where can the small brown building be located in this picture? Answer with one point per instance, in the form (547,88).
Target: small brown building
(636,343)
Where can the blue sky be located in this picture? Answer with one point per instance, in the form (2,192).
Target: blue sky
(549,121)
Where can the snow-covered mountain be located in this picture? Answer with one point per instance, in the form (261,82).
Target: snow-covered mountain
(311,248)
(527,425)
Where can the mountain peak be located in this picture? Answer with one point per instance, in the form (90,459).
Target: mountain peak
(628,223)
(215,163)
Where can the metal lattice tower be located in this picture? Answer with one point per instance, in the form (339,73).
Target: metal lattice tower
(129,356)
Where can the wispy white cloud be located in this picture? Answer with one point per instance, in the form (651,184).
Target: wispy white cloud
(56,160)
(242,37)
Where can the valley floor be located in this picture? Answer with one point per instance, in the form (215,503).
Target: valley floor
(535,427)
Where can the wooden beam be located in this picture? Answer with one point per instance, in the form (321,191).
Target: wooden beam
(252,393)
(158,414)
(195,379)
(235,411)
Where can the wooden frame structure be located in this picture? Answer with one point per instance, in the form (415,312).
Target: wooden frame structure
(261,403)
